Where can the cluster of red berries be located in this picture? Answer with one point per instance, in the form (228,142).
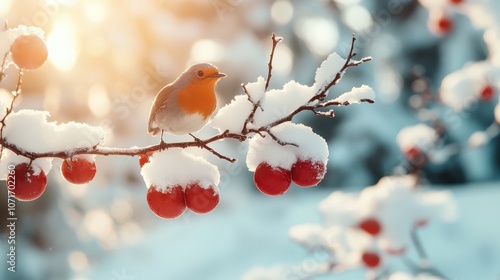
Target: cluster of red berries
(372,226)
(273,181)
(170,202)
(29,185)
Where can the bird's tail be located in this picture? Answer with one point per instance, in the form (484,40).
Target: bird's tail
(153,130)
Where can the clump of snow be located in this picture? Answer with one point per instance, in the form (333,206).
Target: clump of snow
(396,202)
(327,71)
(256,90)
(478,139)
(10,158)
(177,167)
(232,116)
(461,89)
(30,131)
(339,208)
(356,95)
(265,149)
(419,136)
(307,235)
(25,30)
(279,103)
(435,4)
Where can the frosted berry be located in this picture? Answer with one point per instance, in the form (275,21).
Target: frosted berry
(370,259)
(272,180)
(78,170)
(306,173)
(441,24)
(414,155)
(371,226)
(168,204)
(201,200)
(487,93)
(29,52)
(24,184)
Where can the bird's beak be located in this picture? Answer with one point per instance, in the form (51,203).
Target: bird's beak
(218,75)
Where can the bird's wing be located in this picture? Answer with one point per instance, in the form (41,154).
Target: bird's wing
(159,102)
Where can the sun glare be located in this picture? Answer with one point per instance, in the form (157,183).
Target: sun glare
(62,45)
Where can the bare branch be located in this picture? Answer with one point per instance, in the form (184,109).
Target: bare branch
(203,144)
(9,109)
(270,63)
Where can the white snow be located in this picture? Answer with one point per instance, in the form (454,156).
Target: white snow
(30,131)
(256,89)
(307,235)
(478,139)
(404,276)
(177,167)
(265,149)
(460,89)
(396,202)
(279,103)
(418,136)
(24,30)
(10,158)
(328,70)
(356,95)
(232,116)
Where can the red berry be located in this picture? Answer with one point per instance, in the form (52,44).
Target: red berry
(440,24)
(144,158)
(272,180)
(444,25)
(29,52)
(487,93)
(78,170)
(306,173)
(456,1)
(24,184)
(371,226)
(421,223)
(414,154)
(166,204)
(201,200)
(371,259)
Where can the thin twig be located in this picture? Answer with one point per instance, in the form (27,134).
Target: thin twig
(271,56)
(256,103)
(9,109)
(203,144)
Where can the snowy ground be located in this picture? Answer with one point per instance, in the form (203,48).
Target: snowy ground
(229,242)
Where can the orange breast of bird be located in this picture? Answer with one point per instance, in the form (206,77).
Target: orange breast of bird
(198,97)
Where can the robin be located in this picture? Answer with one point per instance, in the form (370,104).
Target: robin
(185,105)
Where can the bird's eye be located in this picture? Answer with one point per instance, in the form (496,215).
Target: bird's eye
(200,73)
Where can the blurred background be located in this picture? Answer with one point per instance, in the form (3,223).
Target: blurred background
(108,59)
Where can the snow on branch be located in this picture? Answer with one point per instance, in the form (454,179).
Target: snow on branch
(238,120)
